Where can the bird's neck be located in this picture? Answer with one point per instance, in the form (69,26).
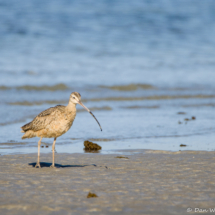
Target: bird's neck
(71,107)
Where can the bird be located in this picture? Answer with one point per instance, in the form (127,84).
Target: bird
(54,122)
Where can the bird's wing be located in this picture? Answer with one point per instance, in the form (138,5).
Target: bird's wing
(43,119)
(46,112)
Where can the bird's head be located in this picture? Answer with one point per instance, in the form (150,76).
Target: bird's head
(75,98)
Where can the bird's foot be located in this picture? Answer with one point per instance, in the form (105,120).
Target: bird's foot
(37,165)
(53,166)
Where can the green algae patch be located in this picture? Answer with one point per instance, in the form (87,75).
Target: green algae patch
(102,139)
(122,157)
(26,103)
(139,107)
(153,97)
(44,87)
(130,87)
(181,113)
(55,87)
(91,195)
(91,147)
(4,88)
(200,105)
(96,109)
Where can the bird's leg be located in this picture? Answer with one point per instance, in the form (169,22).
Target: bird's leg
(53,151)
(38,158)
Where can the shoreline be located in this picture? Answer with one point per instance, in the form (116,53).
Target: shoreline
(146,182)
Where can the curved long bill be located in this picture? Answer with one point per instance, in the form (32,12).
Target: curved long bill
(80,103)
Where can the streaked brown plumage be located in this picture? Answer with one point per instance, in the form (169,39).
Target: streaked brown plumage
(53,122)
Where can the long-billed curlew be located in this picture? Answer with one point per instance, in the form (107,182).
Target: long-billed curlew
(53,122)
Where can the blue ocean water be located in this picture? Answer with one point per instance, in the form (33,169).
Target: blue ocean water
(135,63)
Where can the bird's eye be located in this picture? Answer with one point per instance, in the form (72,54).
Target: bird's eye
(73,97)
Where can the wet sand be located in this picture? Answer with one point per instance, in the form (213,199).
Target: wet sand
(145,182)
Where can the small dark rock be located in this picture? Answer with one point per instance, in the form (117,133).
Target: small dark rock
(47,146)
(91,147)
(42,146)
(193,118)
(91,195)
(183,145)
(186,119)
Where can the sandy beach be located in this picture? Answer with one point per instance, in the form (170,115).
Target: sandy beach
(144,182)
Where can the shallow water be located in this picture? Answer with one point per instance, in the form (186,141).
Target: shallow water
(136,64)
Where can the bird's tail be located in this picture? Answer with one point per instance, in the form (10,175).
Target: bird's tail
(28,134)
(26,127)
